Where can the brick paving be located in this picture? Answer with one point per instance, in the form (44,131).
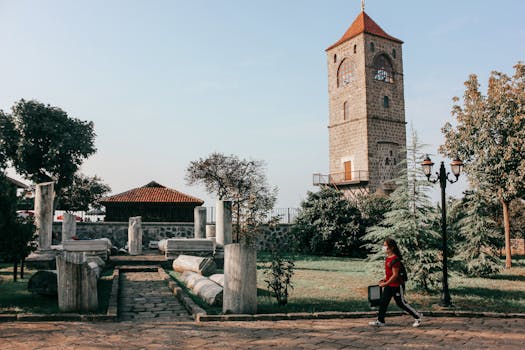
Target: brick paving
(145,296)
(436,333)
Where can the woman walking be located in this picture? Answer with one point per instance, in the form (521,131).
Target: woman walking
(393,285)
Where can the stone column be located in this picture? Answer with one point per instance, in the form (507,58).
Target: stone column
(77,282)
(135,235)
(199,214)
(223,225)
(69,226)
(240,279)
(210,231)
(44,214)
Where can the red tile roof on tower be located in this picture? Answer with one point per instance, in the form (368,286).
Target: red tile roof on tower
(152,193)
(363,24)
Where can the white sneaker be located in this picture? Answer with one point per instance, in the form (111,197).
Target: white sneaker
(376,324)
(418,321)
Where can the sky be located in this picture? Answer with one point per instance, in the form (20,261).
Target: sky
(169,82)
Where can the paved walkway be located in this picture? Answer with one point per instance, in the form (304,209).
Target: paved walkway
(437,333)
(145,296)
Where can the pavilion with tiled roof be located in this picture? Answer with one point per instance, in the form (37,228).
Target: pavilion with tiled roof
(153,202)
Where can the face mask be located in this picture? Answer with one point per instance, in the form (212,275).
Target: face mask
(384,248)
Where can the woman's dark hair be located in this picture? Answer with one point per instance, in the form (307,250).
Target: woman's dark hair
(393,246)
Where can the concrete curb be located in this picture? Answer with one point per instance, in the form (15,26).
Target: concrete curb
(339,315)
(113,297)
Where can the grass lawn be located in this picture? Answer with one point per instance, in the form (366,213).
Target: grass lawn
(15,298)
(340,284)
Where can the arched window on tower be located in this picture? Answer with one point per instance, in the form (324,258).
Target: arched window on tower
(383,70)
(344,73)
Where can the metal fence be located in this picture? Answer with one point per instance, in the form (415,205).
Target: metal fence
(337,178)
(286,215)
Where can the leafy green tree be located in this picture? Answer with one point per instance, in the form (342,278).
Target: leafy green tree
(7,137)
(46,144)
(241,181)
(16,234)
(475,236)
(83,193)
(279,264)
(411,222)
(329,224)
(373,208)
(488,137)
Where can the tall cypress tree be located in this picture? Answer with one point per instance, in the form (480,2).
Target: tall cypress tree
(411,222)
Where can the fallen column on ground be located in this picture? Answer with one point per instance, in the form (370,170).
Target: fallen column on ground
(204,266)
(218,278)
(188,246)
(203,287)
(100,247)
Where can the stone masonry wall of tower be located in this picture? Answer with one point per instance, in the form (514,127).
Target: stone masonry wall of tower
(372,136)
(348,138)
(386,126)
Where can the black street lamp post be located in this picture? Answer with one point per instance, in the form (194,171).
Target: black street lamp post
(456,167)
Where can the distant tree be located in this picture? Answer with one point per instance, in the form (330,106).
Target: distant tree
(46,144)
(488,137)
(329,224)
(83,193)
(16,234)
(239,180)
(411,222)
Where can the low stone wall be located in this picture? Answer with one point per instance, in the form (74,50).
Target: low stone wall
(117,232)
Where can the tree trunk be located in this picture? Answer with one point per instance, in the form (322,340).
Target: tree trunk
(22,262)
(506,225)
(15,269)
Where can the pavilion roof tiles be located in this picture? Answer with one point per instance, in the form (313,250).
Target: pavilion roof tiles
(152,193)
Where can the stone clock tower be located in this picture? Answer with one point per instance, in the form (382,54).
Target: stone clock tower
(366,126)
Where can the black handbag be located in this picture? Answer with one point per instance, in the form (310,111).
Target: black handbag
(374,295)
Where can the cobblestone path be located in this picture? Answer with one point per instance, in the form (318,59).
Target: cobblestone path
(144,296)
(435,333)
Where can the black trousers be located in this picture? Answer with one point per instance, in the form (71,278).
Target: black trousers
(398,294)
